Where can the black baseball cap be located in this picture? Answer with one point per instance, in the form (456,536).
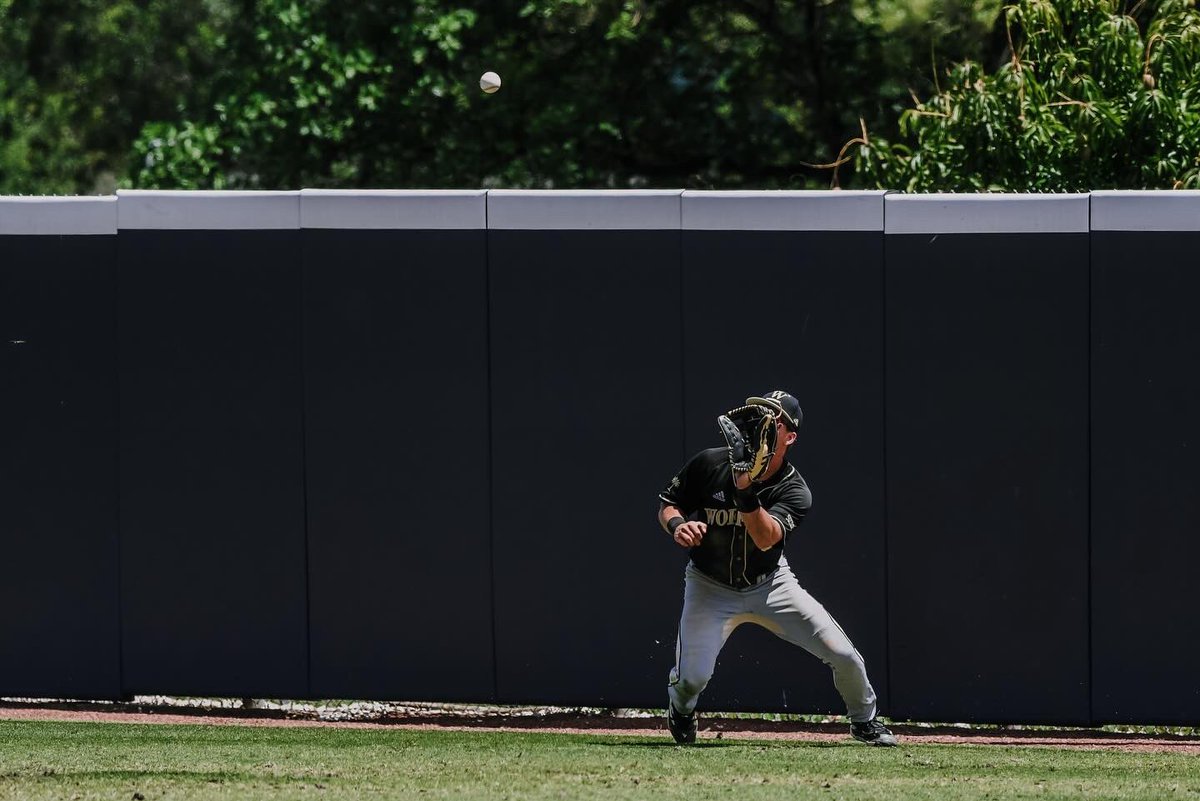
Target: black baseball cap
(783,403)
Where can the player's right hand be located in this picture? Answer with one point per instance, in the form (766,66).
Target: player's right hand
(690,533)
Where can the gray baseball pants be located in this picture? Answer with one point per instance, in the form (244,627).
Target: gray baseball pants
(711,611)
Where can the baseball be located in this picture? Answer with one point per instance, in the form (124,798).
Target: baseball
(489,82)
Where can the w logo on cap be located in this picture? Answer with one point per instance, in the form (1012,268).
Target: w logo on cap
(783,403)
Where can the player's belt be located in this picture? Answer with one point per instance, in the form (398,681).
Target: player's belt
(754,581)
(739,583)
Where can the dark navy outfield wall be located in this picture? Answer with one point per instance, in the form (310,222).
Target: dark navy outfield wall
(59,619)
(407,444)
(586,355)
(396,445)
(1145,508)
(817,260)
(987,457)
(213,585)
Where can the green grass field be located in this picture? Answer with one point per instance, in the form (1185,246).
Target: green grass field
(57,760)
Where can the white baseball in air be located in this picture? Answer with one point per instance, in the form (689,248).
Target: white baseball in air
(489,82)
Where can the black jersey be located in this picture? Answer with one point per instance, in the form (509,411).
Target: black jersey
(703,490)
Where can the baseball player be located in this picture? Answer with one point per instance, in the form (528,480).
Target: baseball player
(733,509)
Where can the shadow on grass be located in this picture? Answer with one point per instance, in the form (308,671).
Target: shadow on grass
(609,742)
(150,774)
(757,744)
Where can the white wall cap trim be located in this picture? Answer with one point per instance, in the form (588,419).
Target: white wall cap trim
(783,210)
(1162,210)
(58,216)
(207,210)
(383,209)
(584,209)
(990,213)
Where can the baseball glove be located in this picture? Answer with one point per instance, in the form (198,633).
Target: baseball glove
(750,435)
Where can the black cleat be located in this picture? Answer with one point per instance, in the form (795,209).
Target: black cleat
(683,727)
(872,732)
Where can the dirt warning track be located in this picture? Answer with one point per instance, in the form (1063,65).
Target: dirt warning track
(712,727)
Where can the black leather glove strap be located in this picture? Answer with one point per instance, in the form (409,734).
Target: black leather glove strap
(674,523)
(746,500)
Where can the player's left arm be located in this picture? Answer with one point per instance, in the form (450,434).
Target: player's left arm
(762,528)
(768,526)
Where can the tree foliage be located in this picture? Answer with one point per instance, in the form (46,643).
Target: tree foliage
(599,93)
(78,80)
(1092,97)
(287,93)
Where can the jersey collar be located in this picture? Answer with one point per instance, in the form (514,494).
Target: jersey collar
(785,470)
